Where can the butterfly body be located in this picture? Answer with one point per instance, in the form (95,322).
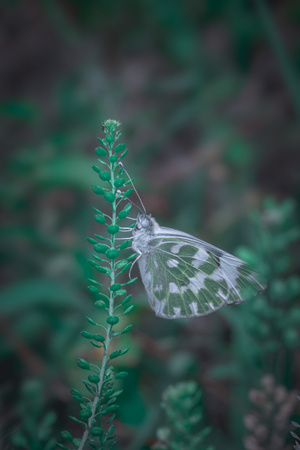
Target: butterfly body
(186,277)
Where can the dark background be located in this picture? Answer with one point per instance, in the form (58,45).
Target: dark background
(208,96)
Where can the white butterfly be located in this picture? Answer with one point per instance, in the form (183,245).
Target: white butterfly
(184,276)
(187,277)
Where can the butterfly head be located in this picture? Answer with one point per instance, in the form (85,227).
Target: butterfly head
(144,224)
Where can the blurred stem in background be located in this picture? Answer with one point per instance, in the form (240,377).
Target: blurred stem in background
(284,61)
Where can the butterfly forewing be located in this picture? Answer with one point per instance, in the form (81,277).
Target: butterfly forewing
(185,277)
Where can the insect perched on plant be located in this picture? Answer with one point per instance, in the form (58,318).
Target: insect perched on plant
(184,276)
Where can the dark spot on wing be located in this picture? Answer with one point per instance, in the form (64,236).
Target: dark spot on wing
(215,257)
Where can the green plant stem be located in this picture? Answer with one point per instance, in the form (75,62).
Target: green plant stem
(281,54)
(110,327)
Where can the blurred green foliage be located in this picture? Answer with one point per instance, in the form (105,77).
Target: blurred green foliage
(182,406)
(208,94)
(35,430)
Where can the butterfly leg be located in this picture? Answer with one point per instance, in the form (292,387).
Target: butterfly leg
(136,259)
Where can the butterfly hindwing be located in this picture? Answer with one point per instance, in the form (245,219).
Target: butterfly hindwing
(185,277)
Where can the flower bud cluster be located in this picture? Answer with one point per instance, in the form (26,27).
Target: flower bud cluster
(268,422)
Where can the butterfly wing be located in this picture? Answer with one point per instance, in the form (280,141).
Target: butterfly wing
(186,277)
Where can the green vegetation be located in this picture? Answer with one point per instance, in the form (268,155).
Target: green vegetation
(208,96)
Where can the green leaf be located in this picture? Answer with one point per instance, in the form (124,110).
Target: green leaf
(121,375)
(119,148)
(109,197)
(112,320)
(93,446)
(124,351)
(75,392)
(128,310)
(75,419)
(100,304)
(66,436)
(102,142)
(111,429)
(105,270)
(125,268)
(131,256)
(111,419)
(98,211)
(98,190)
(128,328)
(85,414)
(121,292)
(126,300)
(83,364)
(91,240)
(96,169)
(129,181)
(99,259)
(123,155)
(111,408)
(91,321)
(94,379)
(94,282)
(99,337)
(97,431)
(130,281)
(100,248)
(100,219)
(112,253)
(93,289)
(86,335)
(89,386)
(94,344)
(101,269)
(109,138)
(124,213)
(117,393)
(101,152)
(125,244)
(113,229)
(115,287)
(104,175)
(119,182)
(121,264)
(104,298)
(115,354)
(101,238)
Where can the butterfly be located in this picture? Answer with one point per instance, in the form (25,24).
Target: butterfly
(185,276)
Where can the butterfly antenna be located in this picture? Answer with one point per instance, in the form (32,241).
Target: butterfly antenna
(120,192)
(121,165)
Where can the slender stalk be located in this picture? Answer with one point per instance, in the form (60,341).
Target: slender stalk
(105,359)
(102,403)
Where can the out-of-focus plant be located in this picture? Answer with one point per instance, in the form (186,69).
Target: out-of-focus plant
(98,410)
(35,430)
(265,331)
(268,422)
(184,430)
(274,317)
(296,436)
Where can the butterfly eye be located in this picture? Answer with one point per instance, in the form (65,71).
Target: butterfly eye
(145,223)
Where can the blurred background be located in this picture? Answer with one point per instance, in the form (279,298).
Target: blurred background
(208,95)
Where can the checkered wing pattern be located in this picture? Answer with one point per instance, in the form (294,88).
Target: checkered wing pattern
(186,277)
